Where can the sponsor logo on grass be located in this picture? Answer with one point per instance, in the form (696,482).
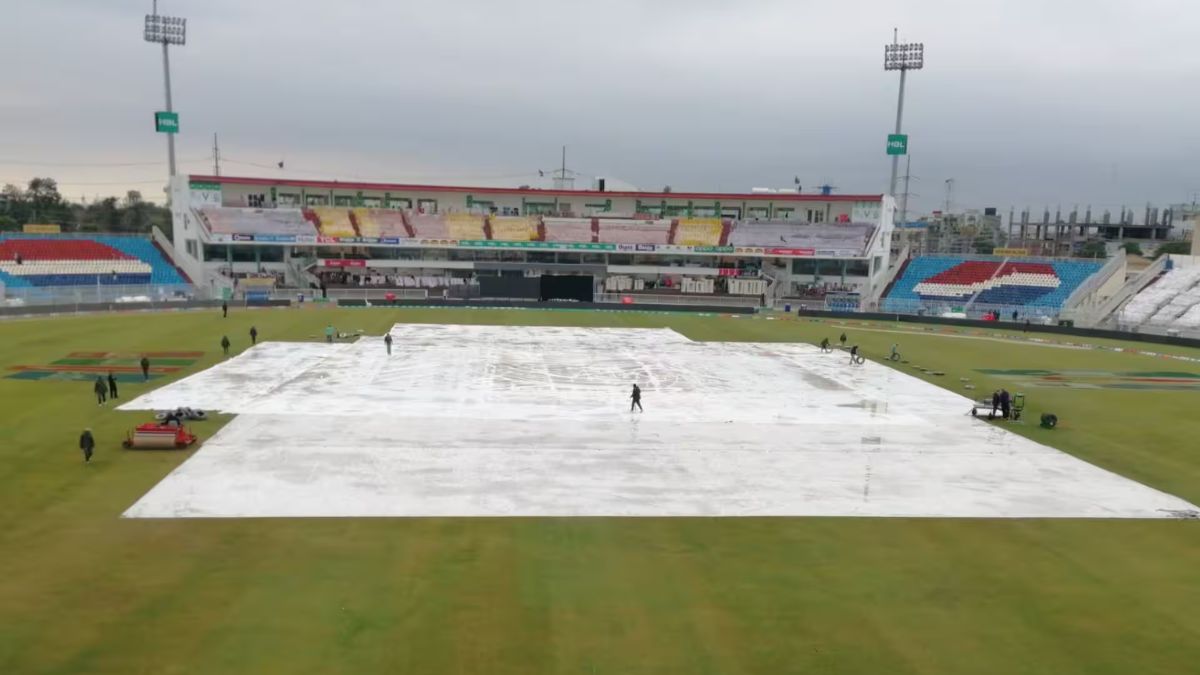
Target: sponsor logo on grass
(1100,379)
(80,366)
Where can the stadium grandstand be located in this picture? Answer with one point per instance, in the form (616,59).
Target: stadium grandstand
(699,232)
(978,285)
(424,241)
(1170,304)
(324,234)
(35,268)
(380,223)
(614,231)
(514,228)
(232,221)
(568,230)
(835,240)
(331,222)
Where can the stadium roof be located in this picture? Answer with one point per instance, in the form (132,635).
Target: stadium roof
(401,187)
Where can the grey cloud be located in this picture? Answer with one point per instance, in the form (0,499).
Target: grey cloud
(1022,102)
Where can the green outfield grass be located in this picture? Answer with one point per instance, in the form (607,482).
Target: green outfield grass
(82,591)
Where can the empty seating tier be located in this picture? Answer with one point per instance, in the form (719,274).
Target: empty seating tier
(1173,301)
(428,225)
(380,223)
(568,230)
(465,226)
(256,221)
(334,221)
(103,260)
(850,239)
(698,232)
(1017,283)
(514,228)
(613,231)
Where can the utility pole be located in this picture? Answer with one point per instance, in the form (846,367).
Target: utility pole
(901,57)
(904,197)
(949,195)
(216,156)
(561,181)
(167,30)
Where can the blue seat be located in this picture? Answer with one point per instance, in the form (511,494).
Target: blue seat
(953,291)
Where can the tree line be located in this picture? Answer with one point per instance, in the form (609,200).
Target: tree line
(41,203)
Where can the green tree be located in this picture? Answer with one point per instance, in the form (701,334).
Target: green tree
(14,204)
(1175,247)
(44,199)
(1132,248)
(1093,249)
(102,216)
(134,219)
(41,202)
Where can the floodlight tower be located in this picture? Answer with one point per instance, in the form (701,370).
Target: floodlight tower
(902,57)
(168,30)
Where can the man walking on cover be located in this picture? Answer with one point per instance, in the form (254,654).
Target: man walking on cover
(636,398)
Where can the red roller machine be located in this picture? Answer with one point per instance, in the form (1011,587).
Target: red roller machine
(152,436)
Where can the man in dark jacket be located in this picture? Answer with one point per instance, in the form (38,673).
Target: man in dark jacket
(854,355)
(145,369)
(843,340)
(636,397)
(225,344)
(100,389)
(112,386)
(224,309)
(1005,403)
(387,340)
(253,336)
(825,345)
(87,444)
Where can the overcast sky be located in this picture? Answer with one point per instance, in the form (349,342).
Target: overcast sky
(1022,102)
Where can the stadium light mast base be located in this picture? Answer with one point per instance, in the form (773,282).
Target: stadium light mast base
(167,30)
(902,57)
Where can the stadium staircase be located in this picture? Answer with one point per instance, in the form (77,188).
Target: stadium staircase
(166,248)
(407,225)
(312,218)
(171,259)
(487,229)
(971,301)
(674,231)
(726,228)
(896,271)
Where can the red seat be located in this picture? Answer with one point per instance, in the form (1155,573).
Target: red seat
(58,249)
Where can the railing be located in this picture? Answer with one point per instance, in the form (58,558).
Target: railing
(73,235)
(82,295)
(876,295)
(1150,329)
(1131,288)
(1094,282)
(378,293)
(306,295)
(652,299)
(975,311)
